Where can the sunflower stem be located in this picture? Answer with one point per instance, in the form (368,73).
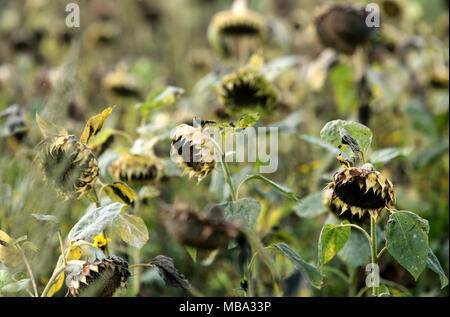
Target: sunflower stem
(373,235)
(30,272)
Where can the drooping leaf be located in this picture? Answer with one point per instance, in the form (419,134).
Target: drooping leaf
(310,206)
(310,271)
(160,98)
(57,286)
(166,269)
(421,119)
(246,210)
(347,139)
(362,134)
(120,192)
(356,251)
(332,239)
(103,136)
(248,120)
(5,238)
(94,222)
(434,265)
(47,218)
(48,128)
(407,240)
(192,252)
(383,156)
(132,230)
(16,287)
(342,78)
(94,125)
(282,189)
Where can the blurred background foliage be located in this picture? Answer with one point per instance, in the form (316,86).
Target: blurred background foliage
(124,50)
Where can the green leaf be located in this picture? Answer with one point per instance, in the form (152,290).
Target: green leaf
(48,128)
(381,157)
(407,240)
(131,229)
(343,80)
(248,120)
(430,154)
(332,239)
(421,119)
(94,222)
(246,210)
(356,251)
(319,142)
(434,265)
(192,252)
(310,206)
(284,190)
(4,278)
(49,218)
(362,134)
(160,98)
(16,286)
(310,271)
(384,291)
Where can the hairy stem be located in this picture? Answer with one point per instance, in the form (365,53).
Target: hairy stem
(30,272)
(373,234)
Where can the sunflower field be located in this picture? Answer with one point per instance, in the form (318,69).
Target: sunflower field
(224,148)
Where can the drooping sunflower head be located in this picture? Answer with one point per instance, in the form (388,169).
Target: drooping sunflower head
(69,164)
(204,230)
(343,27)
(247,89)
(121,83)
(361,190)
(194,151)
(237,23)
(137,169)
(335,208)
(100,278)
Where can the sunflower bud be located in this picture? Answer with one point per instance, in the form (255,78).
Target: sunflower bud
(343,27)
(101,278)
(194,150)
(137,169)
(361,190)
(202,230)
(247,89)
(69,164)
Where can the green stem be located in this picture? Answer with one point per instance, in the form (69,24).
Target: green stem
(381,253)
(338,273)
(353,281)
(137,271)
(360,229)
(55,274)
(373,234)
(30,272)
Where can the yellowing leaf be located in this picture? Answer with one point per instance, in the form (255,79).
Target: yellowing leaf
(74,254)
(57,286)
(120,192)
(94,125)
(48,128)
(248,120)
(5,237)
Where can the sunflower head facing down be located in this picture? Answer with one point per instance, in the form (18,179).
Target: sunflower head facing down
(193,150)
(69,164)
(100,278)
(137,169)
(247,89)
(357,191)
(343,27)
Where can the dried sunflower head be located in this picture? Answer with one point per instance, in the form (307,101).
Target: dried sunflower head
(336,210)
(137,169)
(247,89)
(120,82)
(194,151)
(202,230)
(237,23)
(15,125)
(343,27)
(69,164)
(361,190)
(100,278)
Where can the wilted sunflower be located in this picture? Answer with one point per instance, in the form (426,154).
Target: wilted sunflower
(247,89)
(361,190)
(336,210)
(237,23)
(120,82)
(137,169)
(101,33)
(202,230)
(15,126)
(194,150)
(343,27)
(100,278)
(69,164)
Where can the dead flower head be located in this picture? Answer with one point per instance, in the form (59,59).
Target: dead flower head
(69,164)
(247,89)
(343,27)
(137,169)
(202,230)
(361,190)
(100,278)
(194,150)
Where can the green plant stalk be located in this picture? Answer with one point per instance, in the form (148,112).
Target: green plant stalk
(30,272)
(353,281)
(373,236)
(137,271)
